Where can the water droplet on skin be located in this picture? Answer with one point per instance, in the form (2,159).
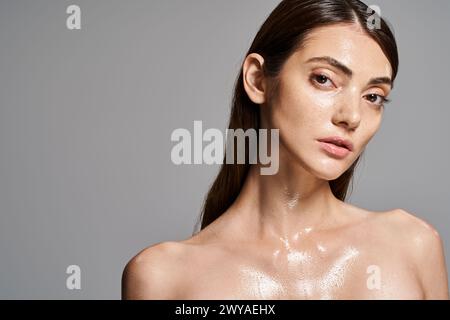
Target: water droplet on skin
(308,230)
(261,285)
(335,276)
(297,257)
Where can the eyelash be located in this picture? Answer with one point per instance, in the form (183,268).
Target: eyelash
(383,98)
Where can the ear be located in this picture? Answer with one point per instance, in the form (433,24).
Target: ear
(253,76)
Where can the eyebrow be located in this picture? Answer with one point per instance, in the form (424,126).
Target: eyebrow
(338,65)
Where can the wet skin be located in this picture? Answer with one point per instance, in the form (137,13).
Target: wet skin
(313,264)
(227,263)
(286,236)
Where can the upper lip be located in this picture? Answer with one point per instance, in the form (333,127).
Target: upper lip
(338,141)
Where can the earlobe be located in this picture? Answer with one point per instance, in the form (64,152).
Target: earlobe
(253,77)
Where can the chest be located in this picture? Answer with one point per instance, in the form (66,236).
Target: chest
(352,274)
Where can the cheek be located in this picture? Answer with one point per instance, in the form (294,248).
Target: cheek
(303,108)
(371,127)
(371,116)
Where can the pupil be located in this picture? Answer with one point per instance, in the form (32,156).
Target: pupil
(322,79)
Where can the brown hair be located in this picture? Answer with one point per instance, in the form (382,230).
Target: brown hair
(284,32)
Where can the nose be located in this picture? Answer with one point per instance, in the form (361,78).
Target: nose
(347,112)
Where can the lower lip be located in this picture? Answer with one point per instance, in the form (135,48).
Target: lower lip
(334,150)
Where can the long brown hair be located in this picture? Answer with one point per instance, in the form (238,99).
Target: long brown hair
(279,37)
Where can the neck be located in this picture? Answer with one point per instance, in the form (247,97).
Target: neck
(285,205)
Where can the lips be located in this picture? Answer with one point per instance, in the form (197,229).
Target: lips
(338,141)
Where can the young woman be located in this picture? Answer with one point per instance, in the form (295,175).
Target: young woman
(320,71)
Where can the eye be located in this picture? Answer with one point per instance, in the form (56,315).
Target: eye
(377,99)
(322,80)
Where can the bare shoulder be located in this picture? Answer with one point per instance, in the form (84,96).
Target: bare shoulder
(419,232)
(423,245)
(153,272)
(397,226)
(408,230)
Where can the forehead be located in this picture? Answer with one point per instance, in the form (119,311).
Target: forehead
(349,45)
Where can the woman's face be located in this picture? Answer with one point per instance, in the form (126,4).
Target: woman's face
(334,86)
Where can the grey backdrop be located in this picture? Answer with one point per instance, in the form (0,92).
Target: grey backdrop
(86,117)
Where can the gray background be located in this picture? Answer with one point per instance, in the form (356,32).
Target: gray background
(86,118)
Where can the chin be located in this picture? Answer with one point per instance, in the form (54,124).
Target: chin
(323,167)
(330,177)
(328,169)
